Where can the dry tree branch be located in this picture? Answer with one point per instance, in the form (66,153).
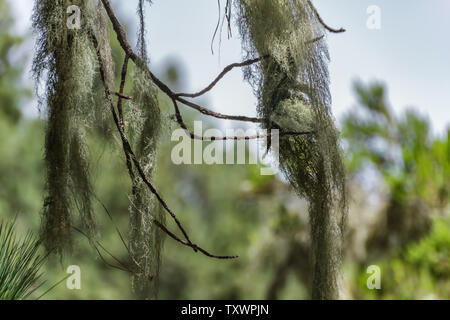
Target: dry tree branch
(193,136)
(319,18)
(129,151)
(217,28)
(221,75)
(231,67)
(214,114)
(122,122)
(184,242)
(118,119)
(122,96)
(122,38)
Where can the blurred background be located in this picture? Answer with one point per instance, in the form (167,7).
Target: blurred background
(391,96)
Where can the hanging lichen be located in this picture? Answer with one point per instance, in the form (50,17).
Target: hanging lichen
(293,93)
(142,30)
(66,58)
(145,237)
(103,124)
(104,46)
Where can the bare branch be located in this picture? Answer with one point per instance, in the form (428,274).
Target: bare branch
(128,150)
(122,96)
(319,18)
(193,136)
(122,38)
(118,119)
(221,75)
(121,119)
(217,115)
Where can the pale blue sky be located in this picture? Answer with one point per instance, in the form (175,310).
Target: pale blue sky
(411,52)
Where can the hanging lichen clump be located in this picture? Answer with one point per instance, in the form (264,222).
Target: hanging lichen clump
(291,82)
(69,59)
(293,93)
(145,238)
(66,58)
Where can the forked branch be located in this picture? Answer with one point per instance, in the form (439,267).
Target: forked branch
(132,157)
(176,98)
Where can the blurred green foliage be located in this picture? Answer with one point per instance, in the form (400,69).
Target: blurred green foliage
(420,271)
(412,242)
(12,93)
(411,161)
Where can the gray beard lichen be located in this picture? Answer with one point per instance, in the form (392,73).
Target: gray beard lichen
(293,92)
(67,59)
(145,237)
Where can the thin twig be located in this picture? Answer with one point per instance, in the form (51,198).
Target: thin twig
(122,238)
(122,96)
(221,75)
(122,38)
(217,28)
(183,242)
(127,146)
(122,268)
(315,39)
(193,136)
(129,150)
(121,118)
(319,18)
(217,115)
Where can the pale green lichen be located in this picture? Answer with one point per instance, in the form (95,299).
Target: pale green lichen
(293,93)
(144,123)
(104,46)
(293,115)
(67,60)
(146,239)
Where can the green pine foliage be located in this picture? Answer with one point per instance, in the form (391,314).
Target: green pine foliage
(20,264)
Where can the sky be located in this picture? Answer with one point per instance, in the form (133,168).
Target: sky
(410,53)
